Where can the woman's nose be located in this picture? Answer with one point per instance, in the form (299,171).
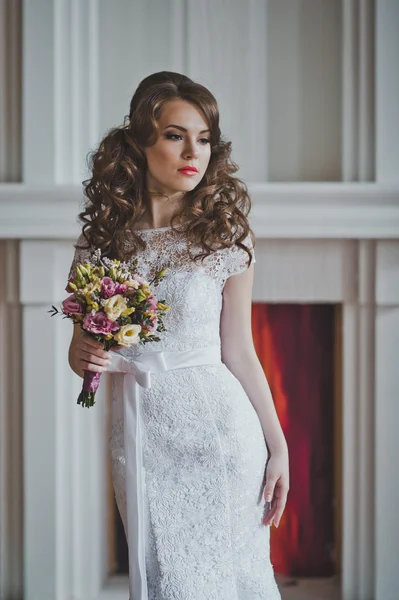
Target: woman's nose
(191,150)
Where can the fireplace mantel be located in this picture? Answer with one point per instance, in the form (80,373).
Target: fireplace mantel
(327,242)
(279,210)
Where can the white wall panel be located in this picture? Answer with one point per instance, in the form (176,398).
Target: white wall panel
(60,83)
(386,528)
(65,446)
(10,90)
(304,87)
(39,156)
(305,271)
(136,39)
(226,51)
(387,90)
(387,283)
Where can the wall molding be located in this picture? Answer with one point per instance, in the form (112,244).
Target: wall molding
(11,495)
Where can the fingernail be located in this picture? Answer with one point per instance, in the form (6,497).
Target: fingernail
(268,498)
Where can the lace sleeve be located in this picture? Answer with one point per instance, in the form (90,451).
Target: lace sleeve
(81,255)
(237,259)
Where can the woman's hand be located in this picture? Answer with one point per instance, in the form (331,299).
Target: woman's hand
(277,486)
(86,354)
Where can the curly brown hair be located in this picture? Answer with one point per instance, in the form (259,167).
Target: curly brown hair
(215,212)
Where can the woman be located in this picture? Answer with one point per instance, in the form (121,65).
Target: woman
(189,454)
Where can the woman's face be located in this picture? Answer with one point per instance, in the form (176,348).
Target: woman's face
(183,141)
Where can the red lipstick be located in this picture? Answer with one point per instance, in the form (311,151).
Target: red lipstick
(188,170)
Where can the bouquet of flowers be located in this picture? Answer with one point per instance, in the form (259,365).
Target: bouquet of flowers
(114,306)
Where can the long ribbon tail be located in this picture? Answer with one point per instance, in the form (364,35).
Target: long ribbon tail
(134,490)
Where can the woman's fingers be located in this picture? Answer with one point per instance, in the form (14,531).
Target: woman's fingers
(93,362)
(271,513)
(88,366)
(277,486)
(92,345)
(281,502)
(90,354)
(98,359)
(278,502)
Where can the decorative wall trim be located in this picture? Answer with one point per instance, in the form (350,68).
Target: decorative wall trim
(61,99)
(358,121)
(11,537)
(387,90)
(10,89)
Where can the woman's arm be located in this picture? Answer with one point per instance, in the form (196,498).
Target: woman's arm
(239,355)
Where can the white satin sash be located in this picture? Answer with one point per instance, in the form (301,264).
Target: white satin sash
(138,374)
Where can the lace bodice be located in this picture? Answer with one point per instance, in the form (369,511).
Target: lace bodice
(193,290)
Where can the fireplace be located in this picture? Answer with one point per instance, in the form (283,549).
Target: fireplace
(299,347)
(303,265)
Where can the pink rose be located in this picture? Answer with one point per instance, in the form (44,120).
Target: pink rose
(71,305)
(154,324)
(121,288)
(99,323)
(153,303)
(108,287)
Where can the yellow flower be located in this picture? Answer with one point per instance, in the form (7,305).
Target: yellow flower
(113,273)
(146,290)
(93,306)
(128,335)
(140,296)
(128,312)
(131,283)
(84,272)
(115,306)
(161,273)
(93,286)
(163,306)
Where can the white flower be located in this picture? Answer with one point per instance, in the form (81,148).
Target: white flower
(128,335)
(115,306)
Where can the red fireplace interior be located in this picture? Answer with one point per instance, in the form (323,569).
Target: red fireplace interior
(297,347)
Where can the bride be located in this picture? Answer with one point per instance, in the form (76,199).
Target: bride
(199,460)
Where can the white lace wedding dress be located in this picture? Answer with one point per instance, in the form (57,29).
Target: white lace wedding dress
(203,452)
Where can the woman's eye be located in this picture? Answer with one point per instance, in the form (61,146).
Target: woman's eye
(174,136)
(170,136)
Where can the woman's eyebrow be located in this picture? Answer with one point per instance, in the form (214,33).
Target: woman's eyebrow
(184,129)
